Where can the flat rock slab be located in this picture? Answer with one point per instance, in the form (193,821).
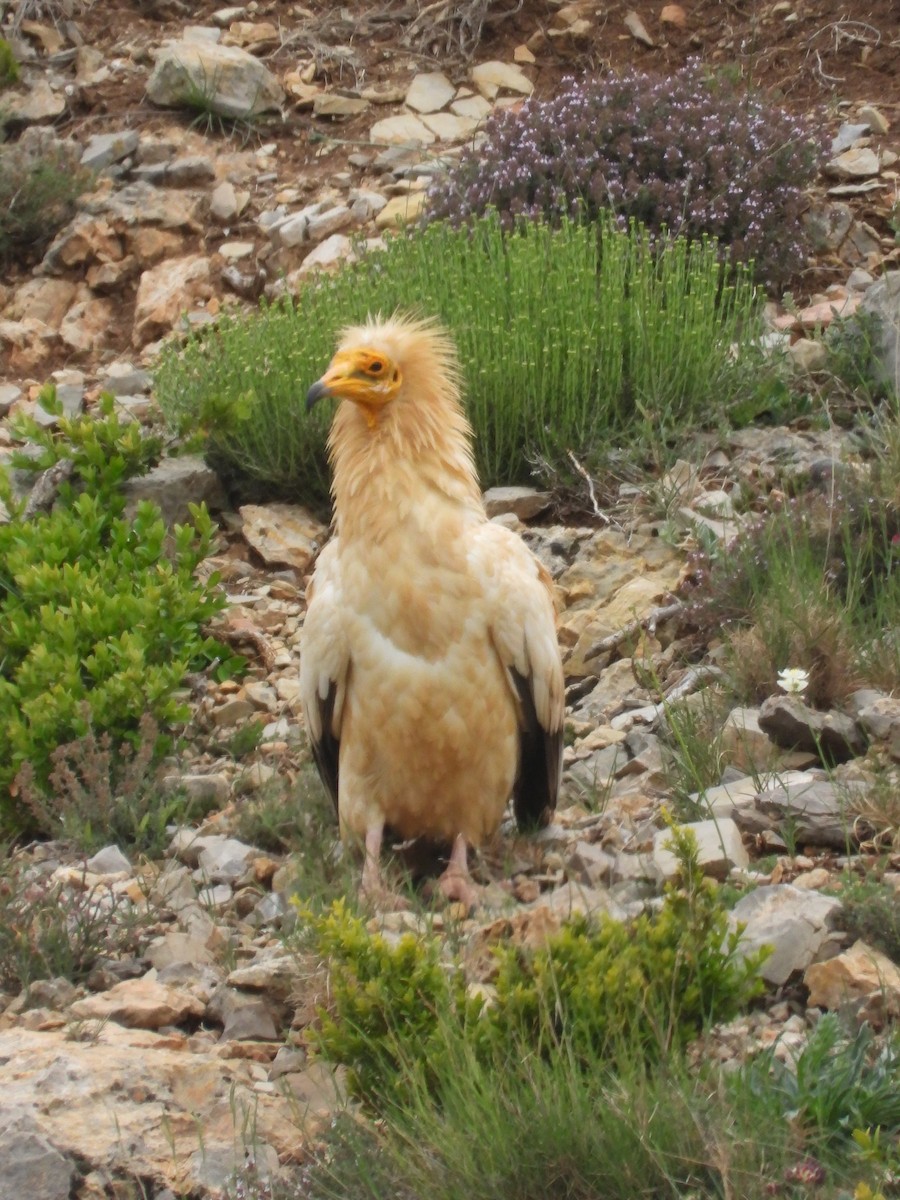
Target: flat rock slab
(719,848)
(817,810)
(795,923)
(143,1105)
(857,974)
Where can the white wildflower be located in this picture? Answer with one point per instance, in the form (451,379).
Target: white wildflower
(793,680)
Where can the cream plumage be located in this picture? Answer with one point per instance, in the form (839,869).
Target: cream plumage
(431,678)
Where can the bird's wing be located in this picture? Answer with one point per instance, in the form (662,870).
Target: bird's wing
(324,667)
(522,622)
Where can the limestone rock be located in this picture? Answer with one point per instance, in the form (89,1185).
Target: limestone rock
(174,484)
(429,92)
(883,299)
(228,80)
(744,743)
(139,1004)
(328,255)
(797,924)
(719,848)
(817,810)
(450,127)
(857,974)
(400,210)
(332,104)
(860,162)
(283,533)
(32,1166)
(792,724)
(104,149)
(165,292)
(133,1103)
(108,861)
(492,77)
(524,502)
(35,104)
(402,130)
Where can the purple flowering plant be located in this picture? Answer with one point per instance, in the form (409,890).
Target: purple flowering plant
(690,154)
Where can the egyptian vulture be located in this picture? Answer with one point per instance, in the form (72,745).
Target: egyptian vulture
(431,679)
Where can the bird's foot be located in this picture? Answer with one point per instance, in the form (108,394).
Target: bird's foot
(457,886)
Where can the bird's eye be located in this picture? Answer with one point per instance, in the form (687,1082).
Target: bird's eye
(376,366)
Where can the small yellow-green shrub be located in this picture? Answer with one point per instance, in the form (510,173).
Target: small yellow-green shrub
(597,986)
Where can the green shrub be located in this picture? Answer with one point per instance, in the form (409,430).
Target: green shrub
(40,180)
(688,152)
(568,338)
(398,1012)
(100,615)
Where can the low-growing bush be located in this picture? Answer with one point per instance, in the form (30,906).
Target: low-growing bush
(40,180)
(837,1083)
(568,338)
(689,153)
(100,614)
(53,929)
(100,792)
(398,1011)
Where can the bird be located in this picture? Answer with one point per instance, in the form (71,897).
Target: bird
(431,680)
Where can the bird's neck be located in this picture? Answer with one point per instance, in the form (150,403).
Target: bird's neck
(412,461)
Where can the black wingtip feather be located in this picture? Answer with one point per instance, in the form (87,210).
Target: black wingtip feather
(540,755)
(325,750)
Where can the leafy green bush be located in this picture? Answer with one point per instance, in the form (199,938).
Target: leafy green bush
(100,615)
(399,1011)
(568,337)
(689,153)
(40,180)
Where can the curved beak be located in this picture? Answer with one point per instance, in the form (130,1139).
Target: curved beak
(318,390)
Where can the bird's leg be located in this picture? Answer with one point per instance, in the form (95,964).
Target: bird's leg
(456,882)
(372,888)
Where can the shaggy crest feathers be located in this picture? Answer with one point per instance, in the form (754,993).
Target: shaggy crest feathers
(423,438)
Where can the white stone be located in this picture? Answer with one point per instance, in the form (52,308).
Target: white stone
(429,92)
(719,848)
(228,80)
(808,355)
(402,130)
(400,210)
(323,224)
(858,163)
(328,254)
(448,127)
(474,107)
(331,104)
(493,77)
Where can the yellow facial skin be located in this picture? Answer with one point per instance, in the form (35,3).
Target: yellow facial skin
(365,376)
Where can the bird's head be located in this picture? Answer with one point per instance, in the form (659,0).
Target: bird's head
(378,361)
(364,374)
